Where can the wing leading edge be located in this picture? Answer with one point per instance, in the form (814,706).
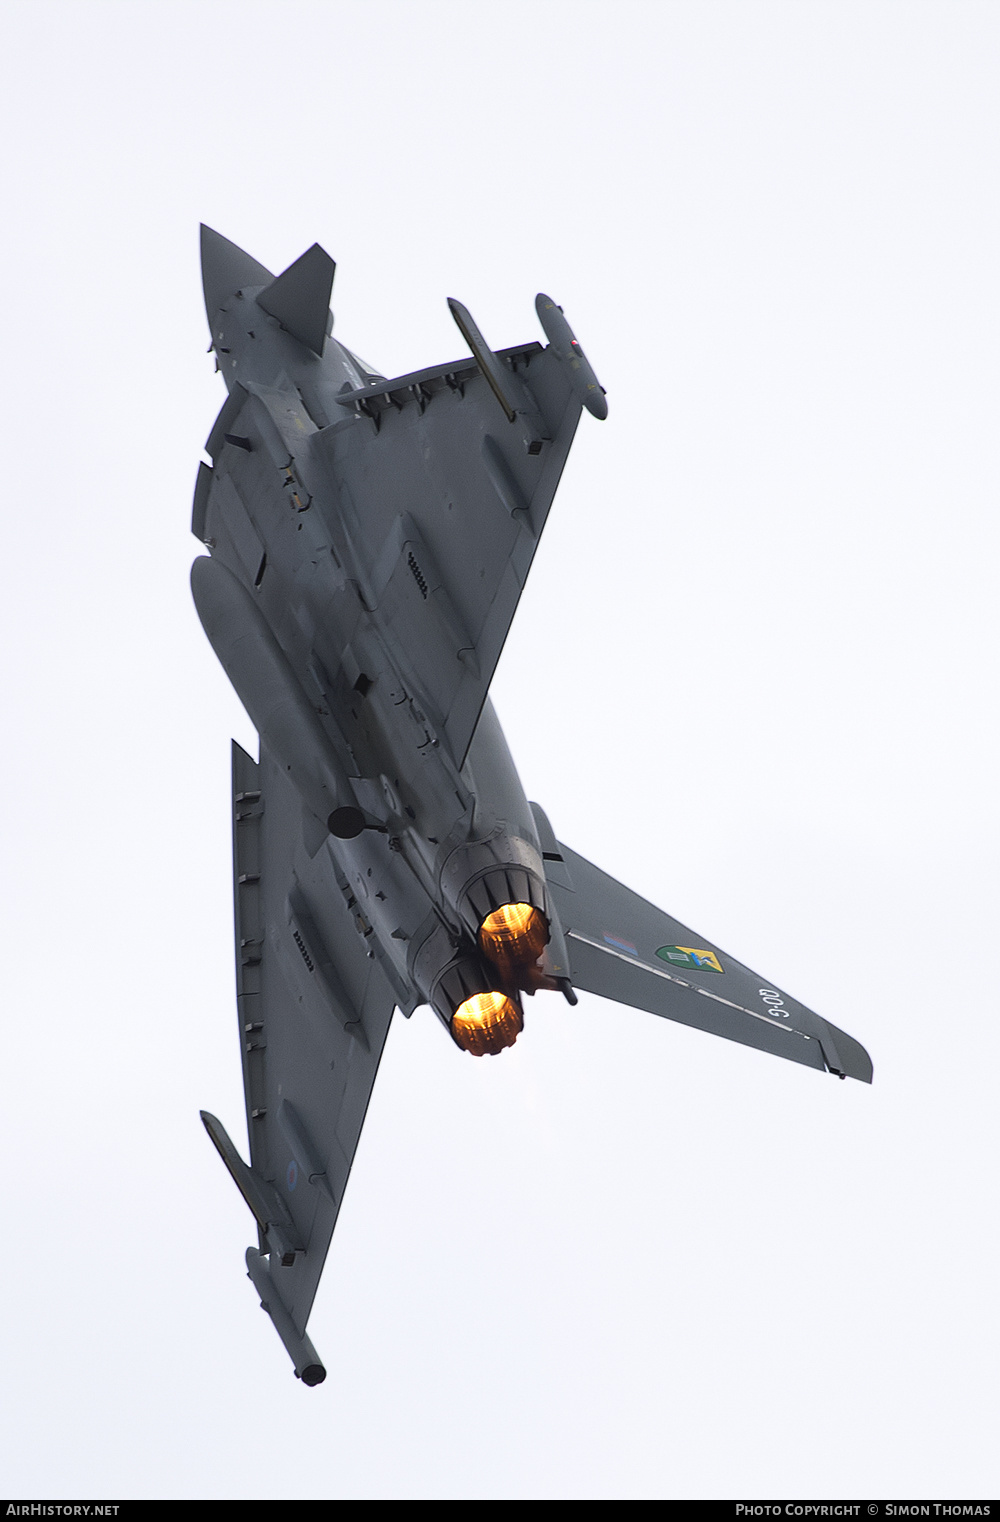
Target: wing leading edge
(314,1013)
(622,947)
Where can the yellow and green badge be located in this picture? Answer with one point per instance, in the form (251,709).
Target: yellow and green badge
(689,956)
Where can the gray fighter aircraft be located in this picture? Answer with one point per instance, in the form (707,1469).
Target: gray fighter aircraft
(369,540)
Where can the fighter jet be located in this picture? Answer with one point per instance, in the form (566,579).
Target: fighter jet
(369,539)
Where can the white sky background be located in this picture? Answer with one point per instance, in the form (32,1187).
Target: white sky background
(753,675)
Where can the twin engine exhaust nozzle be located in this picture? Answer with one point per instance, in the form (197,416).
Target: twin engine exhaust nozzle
(496,888)
(511,938)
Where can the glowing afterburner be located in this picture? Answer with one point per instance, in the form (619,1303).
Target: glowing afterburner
(487,1023)
(514,937)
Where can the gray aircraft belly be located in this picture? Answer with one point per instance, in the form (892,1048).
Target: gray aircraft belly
(369,539)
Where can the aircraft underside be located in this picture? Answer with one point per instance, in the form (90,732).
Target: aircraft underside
(368,543)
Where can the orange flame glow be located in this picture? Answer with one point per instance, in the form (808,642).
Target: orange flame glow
(486,1023)
(514,936)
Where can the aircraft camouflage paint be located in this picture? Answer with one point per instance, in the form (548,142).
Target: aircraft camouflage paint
(369,540)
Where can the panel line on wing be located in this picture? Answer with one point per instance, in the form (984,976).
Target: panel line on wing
(671,977)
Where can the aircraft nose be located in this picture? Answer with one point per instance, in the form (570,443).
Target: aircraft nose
(225,268)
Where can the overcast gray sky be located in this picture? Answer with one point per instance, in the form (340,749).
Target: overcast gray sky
(753,675)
